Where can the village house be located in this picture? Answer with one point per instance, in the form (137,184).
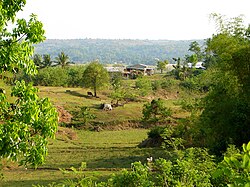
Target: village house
(139,69)
(132,70)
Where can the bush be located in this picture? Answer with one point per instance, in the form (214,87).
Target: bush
(189,84)
(156,132)
(169,83)
(234,169)
(75,75)
(191,167)
(155,112)
(144,86)
(156,85)
(57,76)
(51,76)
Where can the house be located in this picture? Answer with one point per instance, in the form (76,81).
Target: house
(198,65)
(112,69)
(138,69)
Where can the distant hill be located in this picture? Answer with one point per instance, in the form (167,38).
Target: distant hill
(110,51)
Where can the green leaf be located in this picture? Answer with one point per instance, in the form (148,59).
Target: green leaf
(245,160)
(248,147)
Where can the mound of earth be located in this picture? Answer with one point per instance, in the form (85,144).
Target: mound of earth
(64,115)
(67,132)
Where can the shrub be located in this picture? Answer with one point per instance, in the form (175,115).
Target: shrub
(156,85)
(156,132)
(189,84)
(56,76)
(75,75)
(235,168)
(51,76)
(155,112)
(144,86)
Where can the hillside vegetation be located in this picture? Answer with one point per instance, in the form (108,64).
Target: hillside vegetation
(111,51)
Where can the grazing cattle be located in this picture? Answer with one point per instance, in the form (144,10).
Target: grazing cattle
(2,91)
(107,107)
(90,94)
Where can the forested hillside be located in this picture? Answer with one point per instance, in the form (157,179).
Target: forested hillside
(111,51)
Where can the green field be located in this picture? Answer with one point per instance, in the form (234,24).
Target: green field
(113,148)
(104,152)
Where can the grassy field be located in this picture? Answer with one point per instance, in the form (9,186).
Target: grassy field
(104,152)
(73,98)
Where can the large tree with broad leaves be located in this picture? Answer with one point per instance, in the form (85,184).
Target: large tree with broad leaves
(27,122)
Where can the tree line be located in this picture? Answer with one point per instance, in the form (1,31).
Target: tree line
(116,51)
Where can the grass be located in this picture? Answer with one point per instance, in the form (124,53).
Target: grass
(104,152)
(75,98)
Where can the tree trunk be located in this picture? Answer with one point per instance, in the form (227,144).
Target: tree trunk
(95,91)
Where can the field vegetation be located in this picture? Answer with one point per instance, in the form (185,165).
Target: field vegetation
(111,149)
(188,127)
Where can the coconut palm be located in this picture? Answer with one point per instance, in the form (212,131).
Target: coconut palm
(47,60)
(38,60)
(62,59)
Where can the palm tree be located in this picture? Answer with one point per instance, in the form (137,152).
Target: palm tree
(62,59)
(47,60)
(38,60)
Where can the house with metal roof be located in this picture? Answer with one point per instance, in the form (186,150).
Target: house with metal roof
(140,69)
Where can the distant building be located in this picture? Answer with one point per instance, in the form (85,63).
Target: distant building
(112,69)
(140,69)
(131,71)
(198,65)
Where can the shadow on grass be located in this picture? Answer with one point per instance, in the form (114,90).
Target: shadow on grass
(101,158)
(97,106)
(29,183)
(125,161)
(77,94)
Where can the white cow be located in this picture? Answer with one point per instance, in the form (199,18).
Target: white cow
(107,107)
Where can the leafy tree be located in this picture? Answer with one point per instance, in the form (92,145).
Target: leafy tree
(62,60)
(116,81)
(161,65)
(27,123)
(74,75)
(180,70)
(95,76)
(38,60)
(225,116)
(196,49)
(118,95)
(193,59)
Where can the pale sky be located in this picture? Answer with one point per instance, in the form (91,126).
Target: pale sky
(132,19)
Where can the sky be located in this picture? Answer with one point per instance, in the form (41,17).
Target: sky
(132,19)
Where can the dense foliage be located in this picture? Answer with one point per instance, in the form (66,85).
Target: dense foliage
(120,51)
(95,76)
(225,114)
(156,112)
(26,124)
(56,76)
